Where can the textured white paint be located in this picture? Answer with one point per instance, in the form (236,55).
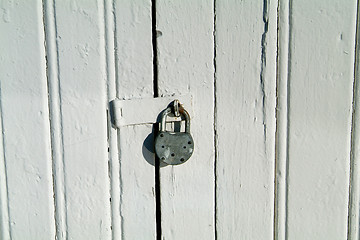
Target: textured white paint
(134,66)
(185,56)
(145,110)
(283,176)
(25,124)
(245,118)
(83,103)
(321,67)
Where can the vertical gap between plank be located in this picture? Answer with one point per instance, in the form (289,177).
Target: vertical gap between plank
(154,44)
(282,119)
(286,180)
(288,123)
(156,126)
(5,229)
(55,118)
(354,180)
(215,127)
(43,9)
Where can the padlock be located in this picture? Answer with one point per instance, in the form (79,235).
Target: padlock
(174,148)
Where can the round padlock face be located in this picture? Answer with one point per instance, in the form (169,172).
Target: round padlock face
(174,147)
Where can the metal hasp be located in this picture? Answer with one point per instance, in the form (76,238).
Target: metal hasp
(174,148)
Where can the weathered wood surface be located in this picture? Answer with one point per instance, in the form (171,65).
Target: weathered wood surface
(321,67)
(134,66)
(245,118)
(274,116)
(82,97)
(27,207)
(185,62)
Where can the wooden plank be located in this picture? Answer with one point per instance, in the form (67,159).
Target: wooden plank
(354,186)
(25,124)
(321,70)
(245,118)
(83,101)
(185,65)
(134,80)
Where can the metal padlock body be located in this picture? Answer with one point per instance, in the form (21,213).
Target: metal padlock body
(174,148)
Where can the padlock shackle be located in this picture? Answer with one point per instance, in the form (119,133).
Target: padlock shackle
(187,118)
(163,119)
(182,111)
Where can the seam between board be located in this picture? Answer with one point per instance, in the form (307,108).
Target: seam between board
(113,163)
(4,192)
(354,178)
(215,127)
(104,53)
(49,119)
(154,44)
(55,119)
(289,53)
(118,137)
(282,119)
(156,126)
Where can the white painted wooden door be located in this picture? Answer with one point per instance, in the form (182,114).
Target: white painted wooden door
(271,87)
